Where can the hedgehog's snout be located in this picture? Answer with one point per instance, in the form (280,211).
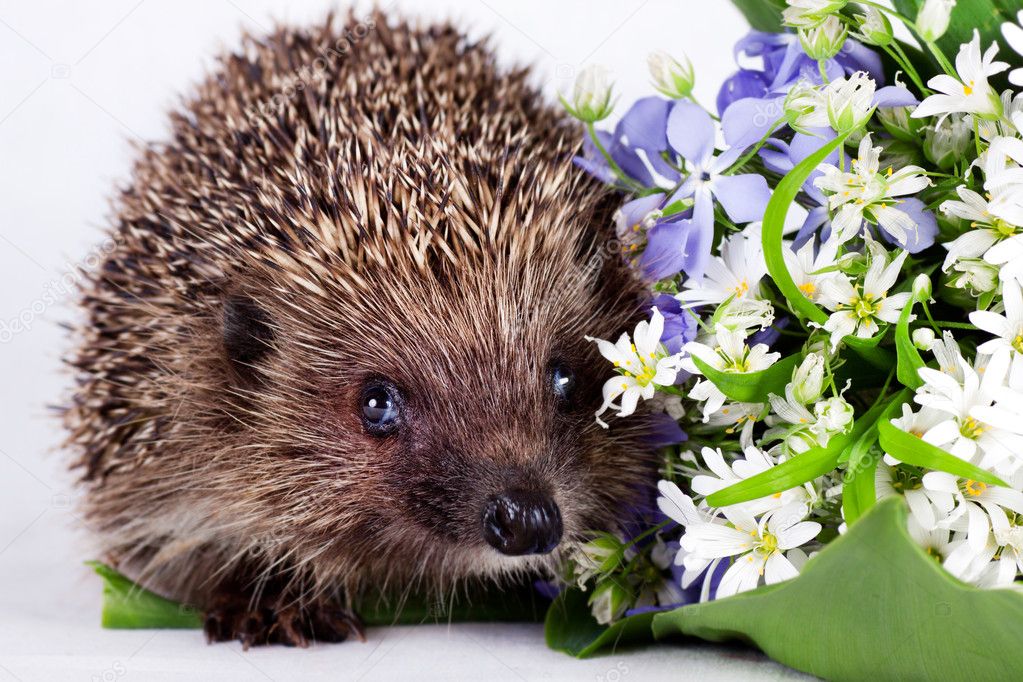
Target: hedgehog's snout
(518,522)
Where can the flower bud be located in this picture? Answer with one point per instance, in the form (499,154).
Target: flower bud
(932,19)
(923,338)
(850,102)
(745,313)
(834,415)
(591,96)
(922,288)
(672,78)
(947,141)
(808,379)
(899,124)
(810,13)
(609,602)
(825,40)
(975,275)
(875,29)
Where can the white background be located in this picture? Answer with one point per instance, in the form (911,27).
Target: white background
(79,83)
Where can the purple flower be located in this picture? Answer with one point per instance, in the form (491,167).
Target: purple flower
(680,325)
(746,115)
(683,244)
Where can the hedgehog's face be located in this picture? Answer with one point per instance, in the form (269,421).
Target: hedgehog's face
(451,418)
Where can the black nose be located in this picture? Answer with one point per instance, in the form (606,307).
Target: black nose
(521,522)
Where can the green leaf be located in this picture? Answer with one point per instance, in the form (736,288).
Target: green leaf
(908,448)
(799,469)
(859,492)
(871,605)
(571,628)
(751,387)
(868,349)
(128,606)
(762,15)
(774,223)
(909,360)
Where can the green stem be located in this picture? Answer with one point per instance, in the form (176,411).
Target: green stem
(744,159)
(942,59)
(592,131)
(822,67)
(927,314)
(902,59)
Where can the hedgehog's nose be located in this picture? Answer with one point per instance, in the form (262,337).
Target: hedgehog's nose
(521,522)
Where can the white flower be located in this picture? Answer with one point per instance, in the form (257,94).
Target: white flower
(889,480)
(950,357)
(736,417)
(591,95)
(1013,35)
(753,462)
(735,274)
(974,501)
(951,549)
(672,78)
(730,354)
(1007,328)
(971,93)
(932,19)
(986,229)
(824,40)
(972,430)
(758,547)
(809,13)
(844,103)
(807,429)
(858,310)
(808,270)
(868,193)
(643,363)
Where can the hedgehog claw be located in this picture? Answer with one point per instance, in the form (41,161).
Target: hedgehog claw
(234,619)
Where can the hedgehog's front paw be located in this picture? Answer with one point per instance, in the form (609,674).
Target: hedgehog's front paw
(235,617)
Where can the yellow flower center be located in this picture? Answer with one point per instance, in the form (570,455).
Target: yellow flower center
(968,89)
(971,428)
(865,308)
(741,289)
(974,488)
(768,544)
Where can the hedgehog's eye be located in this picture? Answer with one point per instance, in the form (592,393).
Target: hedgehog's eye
(562,380)
(381,413)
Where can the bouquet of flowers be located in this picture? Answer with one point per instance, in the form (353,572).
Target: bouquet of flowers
(833,360)
(834,351)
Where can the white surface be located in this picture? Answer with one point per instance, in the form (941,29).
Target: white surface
(80,81)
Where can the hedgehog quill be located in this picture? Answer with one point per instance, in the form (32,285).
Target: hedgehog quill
(338,348)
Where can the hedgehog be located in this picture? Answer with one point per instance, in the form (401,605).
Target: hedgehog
(336,347)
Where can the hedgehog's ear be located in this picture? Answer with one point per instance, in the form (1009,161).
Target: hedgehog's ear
(247,335)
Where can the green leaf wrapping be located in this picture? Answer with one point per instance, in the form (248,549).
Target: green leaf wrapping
(128,606)
(871,606)
(572,629)
(751,387)
(774,224)
(798,470)
(908,448)
(909,360)
(859,491)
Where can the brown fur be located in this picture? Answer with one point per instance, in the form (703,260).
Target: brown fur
(411,214)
